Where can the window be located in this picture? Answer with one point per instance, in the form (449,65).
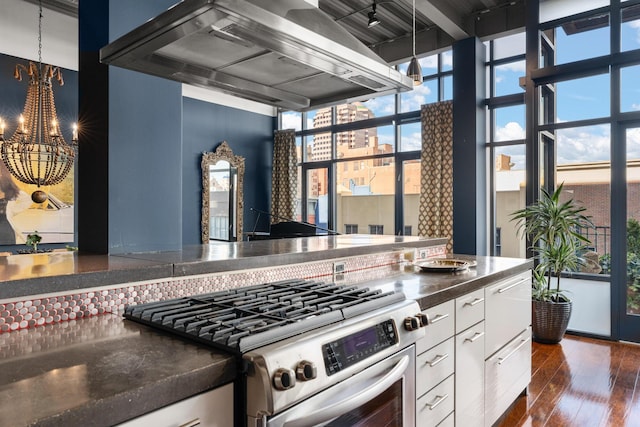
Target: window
(376,229)
(350,155)
(584,98)
(506,140)
(630,88)
(630,24)
(351,229)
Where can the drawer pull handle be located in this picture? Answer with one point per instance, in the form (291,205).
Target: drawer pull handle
(512,352)
(438,400)
(502,290)
(192,423)
(474,337)
(474,302)
(438,318)
(439,358)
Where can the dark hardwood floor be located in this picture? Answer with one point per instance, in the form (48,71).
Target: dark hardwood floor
(580,382)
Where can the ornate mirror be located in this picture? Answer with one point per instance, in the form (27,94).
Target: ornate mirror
(222,198)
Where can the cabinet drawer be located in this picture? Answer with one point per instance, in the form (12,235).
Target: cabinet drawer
(507,374)
(440,327)
(469,310)
(434,365)
(469,378)
(434,406)
(507,310)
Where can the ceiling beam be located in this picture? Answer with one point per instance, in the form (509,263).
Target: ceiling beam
(444,16)
(503,20)
(429,41)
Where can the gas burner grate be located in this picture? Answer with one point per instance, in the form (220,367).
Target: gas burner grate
(246,318)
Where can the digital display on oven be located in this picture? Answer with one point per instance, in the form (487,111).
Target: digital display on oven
(351,349)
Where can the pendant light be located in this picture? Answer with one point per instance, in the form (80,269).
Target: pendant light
(414,70)
(373,19)
(37,153)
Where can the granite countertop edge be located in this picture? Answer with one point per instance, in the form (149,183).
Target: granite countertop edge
(90,270)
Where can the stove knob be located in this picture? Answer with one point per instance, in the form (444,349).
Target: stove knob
(284,379)
(423,319)
(411,323)
(306,370)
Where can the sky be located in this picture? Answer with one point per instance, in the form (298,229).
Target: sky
(585,98)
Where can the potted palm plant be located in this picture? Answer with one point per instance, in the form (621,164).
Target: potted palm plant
(553,229)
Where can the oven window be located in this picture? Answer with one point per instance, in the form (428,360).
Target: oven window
(384,410)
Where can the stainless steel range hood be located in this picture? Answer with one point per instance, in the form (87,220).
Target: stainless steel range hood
(285,53)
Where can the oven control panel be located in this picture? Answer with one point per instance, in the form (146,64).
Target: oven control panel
(351,349)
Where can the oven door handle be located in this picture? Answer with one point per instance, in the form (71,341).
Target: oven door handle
(332,411)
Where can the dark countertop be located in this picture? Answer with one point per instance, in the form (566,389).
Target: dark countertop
(23,275)
(430,289)
(103,370)
(100,371)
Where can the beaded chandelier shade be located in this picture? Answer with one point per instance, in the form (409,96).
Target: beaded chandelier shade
(37,153)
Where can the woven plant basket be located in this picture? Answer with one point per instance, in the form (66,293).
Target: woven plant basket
(550,320)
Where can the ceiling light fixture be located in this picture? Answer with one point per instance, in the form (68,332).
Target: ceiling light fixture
(373,20)
(37,153)
(414,70)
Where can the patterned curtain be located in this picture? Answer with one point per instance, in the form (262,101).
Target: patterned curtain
(284,178)
(435,218)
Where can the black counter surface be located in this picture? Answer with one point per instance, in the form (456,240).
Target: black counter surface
(102,370)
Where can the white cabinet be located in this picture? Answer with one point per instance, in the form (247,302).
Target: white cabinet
(469,310)
(475,358)
(508,372)
(508,307)
(433,407)
(435,362)
(209,409)
(469,366)
(434,366)
(508,343)
(441,325)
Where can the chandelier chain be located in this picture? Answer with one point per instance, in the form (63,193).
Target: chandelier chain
(40,34)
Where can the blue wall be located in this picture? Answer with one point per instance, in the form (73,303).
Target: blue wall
(139,186)
(140,153)
(249,135)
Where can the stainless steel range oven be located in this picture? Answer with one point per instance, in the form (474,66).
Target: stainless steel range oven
(313,353)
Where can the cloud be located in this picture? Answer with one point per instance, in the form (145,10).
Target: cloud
(635,106)
(291,120)
(382,106)
(633,143)
(584,144)
(447,58)
(411,101)
(412,141)
(511,131)
(429,62)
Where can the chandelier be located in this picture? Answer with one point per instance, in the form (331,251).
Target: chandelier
(37,153)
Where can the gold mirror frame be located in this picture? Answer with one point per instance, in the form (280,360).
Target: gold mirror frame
(222,152)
